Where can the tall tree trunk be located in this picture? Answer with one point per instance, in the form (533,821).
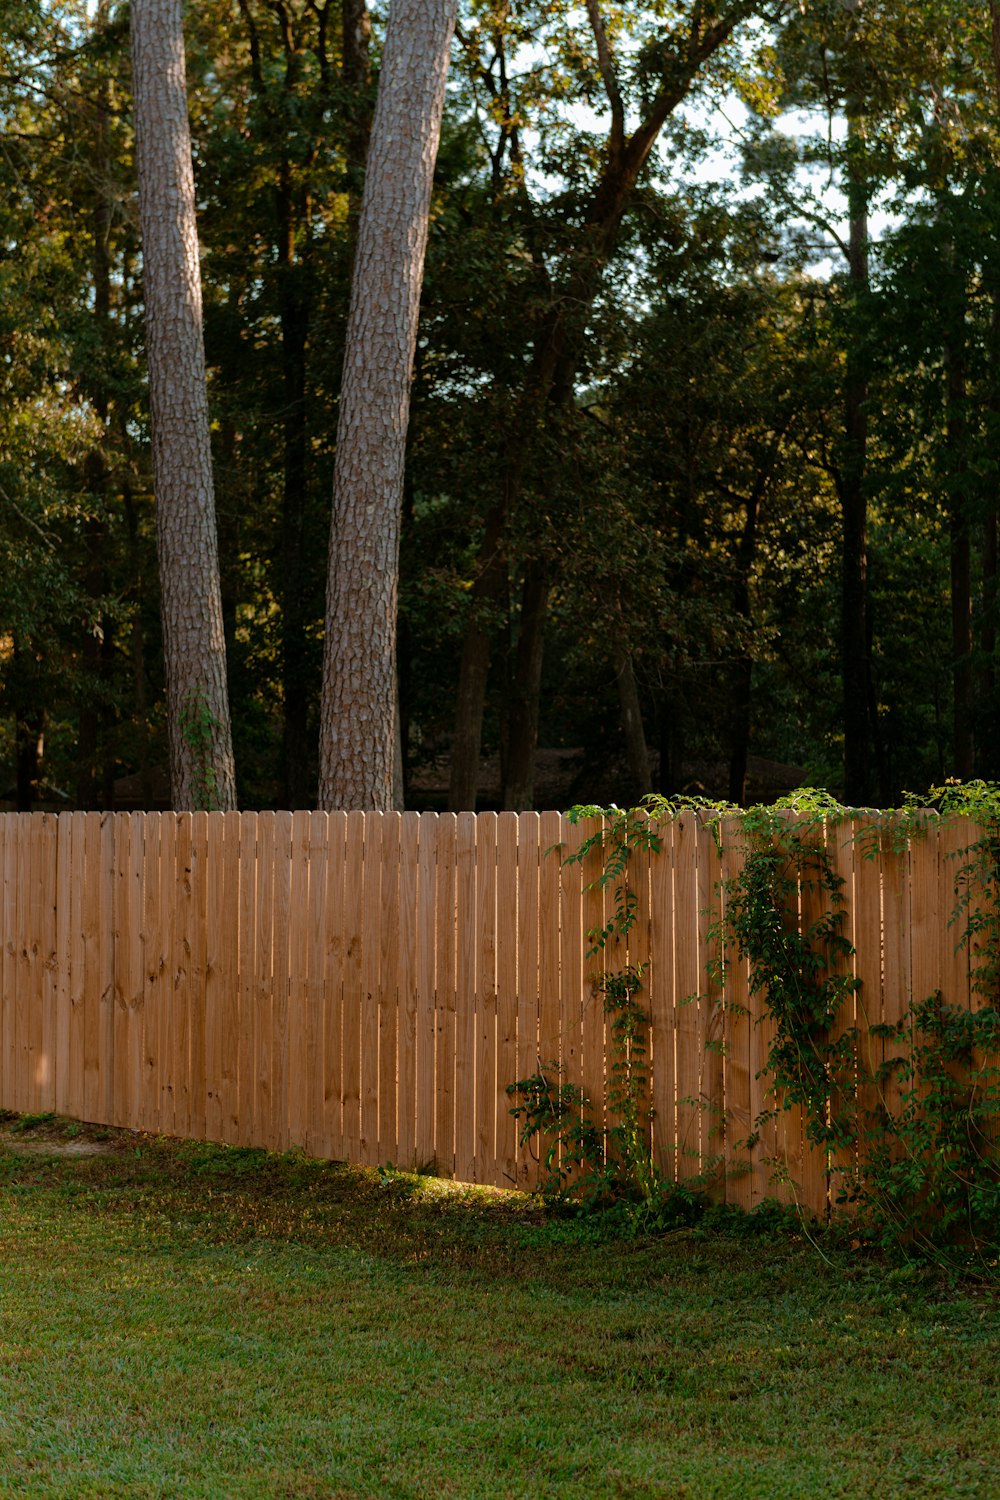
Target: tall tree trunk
(358,712)
(853,499)
(90,794)
(201,750)
(636,749)
(988,640)
(961,561)
(294,313)
(29,742)
(522,744)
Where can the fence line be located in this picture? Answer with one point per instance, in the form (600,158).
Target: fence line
(366,985)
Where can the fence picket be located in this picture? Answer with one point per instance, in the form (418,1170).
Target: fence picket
(484,1138)
(425,1015)
(278,1134)
(370,955)
(465,997)
(247,1067)
(406,991)
(310,1067)
(355,1007)
(445,992)
(388,987)
(507,997)
(528,876)
(549,1060)
(687,984)
(216,925)
(743,1185)
(331,1092)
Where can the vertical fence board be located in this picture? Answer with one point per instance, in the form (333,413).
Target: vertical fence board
(388,989)
(105,874)
(713,1100)
(228,995)
(687,984)
(123,1082)
(153,901)
(309,1072)
(370,956)
(507,997)
(24,1093)
(571,955)
(335,959)
(181,960)
(63,920)
(425,1017)
(299,1059)
(216,923)
(869,857)
(743,1186)
(595,967)
(407,992)
(355,1008)
(812,1176)
(841,847)
(465,997)
(73,1098)
(280,979)
(247,1108)
(161,968)
(48,962)
(897,977)
(484,1140)
(197,955)
(528,1053)
(8,990)
(954,838)
(549,917)
(445,993)
(264,983)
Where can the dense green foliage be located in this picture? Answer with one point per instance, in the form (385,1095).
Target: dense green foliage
(667,506)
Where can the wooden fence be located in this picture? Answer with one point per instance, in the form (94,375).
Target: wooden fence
(365,986)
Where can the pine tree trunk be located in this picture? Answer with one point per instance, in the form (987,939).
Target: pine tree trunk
(358,713)
(519,772)
(854,504)
(961,561)
(201,754)
(636,749)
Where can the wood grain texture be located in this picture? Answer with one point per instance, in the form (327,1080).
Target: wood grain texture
(358,711)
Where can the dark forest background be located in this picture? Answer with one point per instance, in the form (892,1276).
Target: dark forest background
(751,538)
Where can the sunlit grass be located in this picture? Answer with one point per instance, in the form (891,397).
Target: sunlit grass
(190,1321)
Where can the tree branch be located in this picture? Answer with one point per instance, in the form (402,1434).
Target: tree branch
(605,61)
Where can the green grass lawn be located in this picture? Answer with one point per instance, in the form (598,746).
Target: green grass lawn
(181,1320)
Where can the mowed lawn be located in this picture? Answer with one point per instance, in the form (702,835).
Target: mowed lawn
(182,1320)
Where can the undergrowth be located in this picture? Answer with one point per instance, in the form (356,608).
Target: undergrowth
(922,1124)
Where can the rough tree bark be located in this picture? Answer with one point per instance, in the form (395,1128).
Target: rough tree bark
(358,710)
(853,499)
(201,752)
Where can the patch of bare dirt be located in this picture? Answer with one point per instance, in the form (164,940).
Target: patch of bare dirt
(53,1145)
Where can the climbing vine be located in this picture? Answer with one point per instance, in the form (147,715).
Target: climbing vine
(922,1125)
